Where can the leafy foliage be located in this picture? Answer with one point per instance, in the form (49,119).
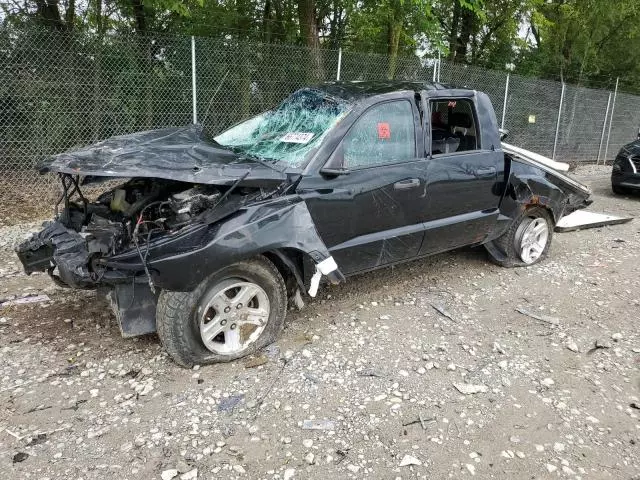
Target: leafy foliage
(590,42)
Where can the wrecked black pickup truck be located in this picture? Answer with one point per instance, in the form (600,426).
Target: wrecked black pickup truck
(204,239)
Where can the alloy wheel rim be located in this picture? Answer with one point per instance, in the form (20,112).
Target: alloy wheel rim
(533,240)
(234,315)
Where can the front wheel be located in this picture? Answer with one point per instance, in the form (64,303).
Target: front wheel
(526,242)
(232,313)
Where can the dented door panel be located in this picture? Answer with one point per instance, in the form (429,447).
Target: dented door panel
(364,218)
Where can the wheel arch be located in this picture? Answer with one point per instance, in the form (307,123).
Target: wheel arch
(293,264)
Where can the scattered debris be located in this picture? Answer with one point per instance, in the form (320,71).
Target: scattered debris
(20,457)
(318,425)
(14,435)
(193,474)
(421,420)
(229,403)
(547,382)
(442,311)
(539,317)
(408,460)
(600,344)
(353,380)
(76,405)
(297,300)
(26,300)
(38,408)
(254,362)
(369,372)
(38,439)
(573,346)
(582,219)
(468,389)
(169,474)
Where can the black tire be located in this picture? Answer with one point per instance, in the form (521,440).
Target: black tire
(504,250)
(619,190)
(177,320)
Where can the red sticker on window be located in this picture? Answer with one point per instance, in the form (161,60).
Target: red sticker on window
(384,131)
(452,104)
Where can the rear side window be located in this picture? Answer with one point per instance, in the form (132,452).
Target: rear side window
(384,134)
(453,126)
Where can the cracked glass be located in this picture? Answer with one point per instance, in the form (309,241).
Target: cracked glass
(291,131)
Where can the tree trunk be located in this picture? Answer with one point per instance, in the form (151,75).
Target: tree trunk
(139,16)
(48,14)
(266,22)
(279,31)
(467,28)
(70,15)
(309,33)
(453,31)
(145,61)
(97,75)
(394,29)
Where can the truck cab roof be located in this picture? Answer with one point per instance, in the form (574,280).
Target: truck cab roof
(359,90)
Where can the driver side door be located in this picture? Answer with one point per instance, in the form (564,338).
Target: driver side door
(371,216)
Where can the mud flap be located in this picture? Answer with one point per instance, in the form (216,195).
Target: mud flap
(134,306)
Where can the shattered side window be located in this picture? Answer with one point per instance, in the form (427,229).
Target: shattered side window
(288,133)
(384,134)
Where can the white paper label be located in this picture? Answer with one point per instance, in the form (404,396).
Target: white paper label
(297,137)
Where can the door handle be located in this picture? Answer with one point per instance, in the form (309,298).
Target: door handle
(407,184)
(485,172)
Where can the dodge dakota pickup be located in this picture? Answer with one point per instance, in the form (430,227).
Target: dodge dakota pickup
(204,239)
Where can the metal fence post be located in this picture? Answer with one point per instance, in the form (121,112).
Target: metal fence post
(193,80)
(439,65)
(613,106)
(604,129)
(504,104)
(339,64)
(555,141)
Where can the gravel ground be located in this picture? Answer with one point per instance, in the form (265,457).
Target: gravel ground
(425,370)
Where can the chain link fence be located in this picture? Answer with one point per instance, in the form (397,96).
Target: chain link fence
(59,90)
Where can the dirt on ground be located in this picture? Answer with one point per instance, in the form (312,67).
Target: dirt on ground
(425,370)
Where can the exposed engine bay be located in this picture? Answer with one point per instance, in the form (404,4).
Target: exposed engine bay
(128,217)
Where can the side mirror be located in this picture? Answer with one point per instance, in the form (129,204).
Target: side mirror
(505,133)
(335,165)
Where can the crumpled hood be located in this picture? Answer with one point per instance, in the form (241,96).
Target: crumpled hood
(183,153)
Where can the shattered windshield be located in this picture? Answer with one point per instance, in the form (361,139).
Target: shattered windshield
(289,132)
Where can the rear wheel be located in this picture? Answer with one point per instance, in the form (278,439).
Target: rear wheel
(619,190)
(526,242)
(234,312)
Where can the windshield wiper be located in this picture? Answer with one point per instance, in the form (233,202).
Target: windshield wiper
(267,162)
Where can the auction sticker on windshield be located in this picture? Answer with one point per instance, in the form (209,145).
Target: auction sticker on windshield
(297,137)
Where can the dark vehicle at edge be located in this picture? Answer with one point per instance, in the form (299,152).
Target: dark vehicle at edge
(625,175)
(205,239)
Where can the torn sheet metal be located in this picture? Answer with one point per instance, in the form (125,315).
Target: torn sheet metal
(581,219)
(259,228)
(535,157)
